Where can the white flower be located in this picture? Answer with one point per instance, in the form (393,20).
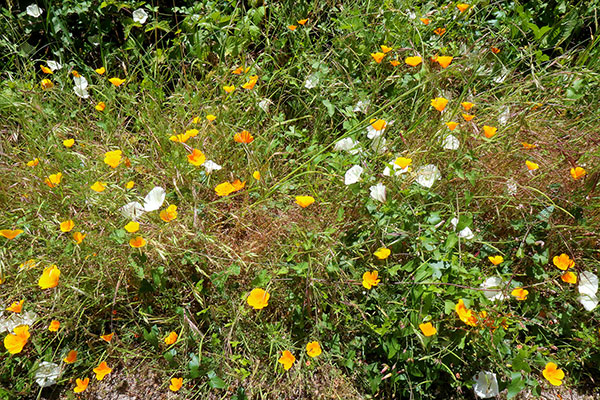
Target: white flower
(511,186)
(398,170)
(378,192)
(9,323)
(34,11)
(312,81)
(486,385)
(588,287)
(80,88)
(154,199)
(132,210)
(140,16)
(451,142)
(264,104)
(353,175)
(83,93)
(362,106)
(465,233)
(53,65)
(47,374)
(493,288)
(427,175)
(211,166)
(504,116)
(347,144)
(378,145)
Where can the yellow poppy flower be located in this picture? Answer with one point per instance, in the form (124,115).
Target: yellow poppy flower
(68,143)
(116,81)
(496,259)
(489,131)
(462,7)
(54,326)
(132,227)
(382,253)
(100,106)
(569,277)
(78,237)
(385,48)
(304,201)
(370,279)
(531,165)
(577,172)
(444,61)
(53,180)
(129,185)
(49,278)
(520,293)
(33,162)
(313,349)
(563,262)
(71,357)
(467,316)
(98,186)
(287,359)
(250,84)
(197,158)
(224,189)
(169,214)
(14,343)
(553,374)
(378,56)
(229,89)
(113,158)
(102,370)
(439,103)
(258,298)
(302,21)
(137,242)
(81,385)
(256,175)
(100,71)
(176,384)
(428,329)
(413,61)
(394,63)
(46,84)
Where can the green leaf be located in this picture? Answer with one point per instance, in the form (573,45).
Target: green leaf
(215,382)
(516,385)
(329,106)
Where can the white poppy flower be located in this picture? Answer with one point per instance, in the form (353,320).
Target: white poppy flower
(347,144)
(486,385)
(140,16)
(465,233)
(312,81)
(53,65)
(154,199)
(80,88)
(34,11)
(493,288)
(378,192)
(132,210)
(353,175)
(211,166)
(83,93)
(427,175)
(378,145)
(451,142)
(588,287)
(10,322)
(362,106)
(264,104)
(47,374)
(398,170)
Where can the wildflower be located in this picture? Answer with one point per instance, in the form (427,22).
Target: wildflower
(467,316)
(378,192)
(211,166)
(176,384)
(569,277)
(197,158)
(171,338)
(413,61)
(108,337)
(376,128)
(140,16)
(577,172)
(132,227)
(240,70)
(496,259)
(452,125)
(137,242)
(98,186)
(258,298)
(256,175)
(292,27)
(76,74)
(425,21)
(520,293)
(528,146)
(495,50)
(243,137)
(100,71)
(181,138)
(382,253)
(394,63)
(439,103)
(16,306)
(427,175)
(229,89)
(14,343)
(489,131)
(100,106)
(71,357)
(467,105)
(250,84)
(33,162)
(428,329)
(531,165)
(34,11)
(462,7)
(54,326)
(378,56)
(211,117)
(68,143)
(238,185)
(46,70)
(588,288)
(451,142)
(385,48)
(467,117)
(287,359)
(440,31)
(27,265)
(102,370)
(169,214)
(129,185)
(10,233)
(370,279)
(302,21)
(304,201)
(313,349)
(49,278)
(403,162)
(67,226)
(224,189)
(113,158)
(116,81)
(553,375)
(81,385)
(563,262)
(53,180)
(353,175)
(46,84)
(444,61)
(486,385)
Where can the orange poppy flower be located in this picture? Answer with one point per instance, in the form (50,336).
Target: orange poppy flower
(569,277)
(102,370)
(176,384)
(14,343)
(49,278)
(197,158)
(171,338)
(531,165)
(53,180)
(467,316)
(292,27)
(16,306)
(302,21)
(108,337)
(169,214)
(54,326)
(444,61)
(578,172)
(495,50)
(67,226)
(439,103)
(413,61)
(116,81)
(313,349)
(452,125)
(468,117)
(440,31)
(553,374)
(426,21)
(238,185)
(11,234)
(258,298)
(428,329)
(489,131)
(370,279)
(100,106)
(250,84)
(520,293)
(378,56)
(81,385)
(528,146)
(46,84)
(385,48)
(462,7)
(243,137)
(71,357)
(563,262)
(46,70)
(287,359)
(240,70)
(304,201)
(467,105)
(137,242)
(33,162)
(394,63)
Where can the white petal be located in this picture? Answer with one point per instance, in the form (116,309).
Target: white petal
(9,323)
(511,186)
(140,16)
(493,288)
(427,175)
(264,104)
(379,145)
(132,210)
(588,283)
(378,192)
(312,81)
(211,166)
(47,374)
(345,144)
(362,106)
(53,65)
(451,142)
(373,133)
(34,11)
(80,81)
(83,93)
(589,302)
(466,233)
(154,199)
(486,384)
(353,175)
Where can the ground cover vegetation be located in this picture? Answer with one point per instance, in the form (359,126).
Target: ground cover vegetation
(299,200)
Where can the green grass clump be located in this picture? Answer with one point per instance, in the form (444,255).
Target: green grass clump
(176,293)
